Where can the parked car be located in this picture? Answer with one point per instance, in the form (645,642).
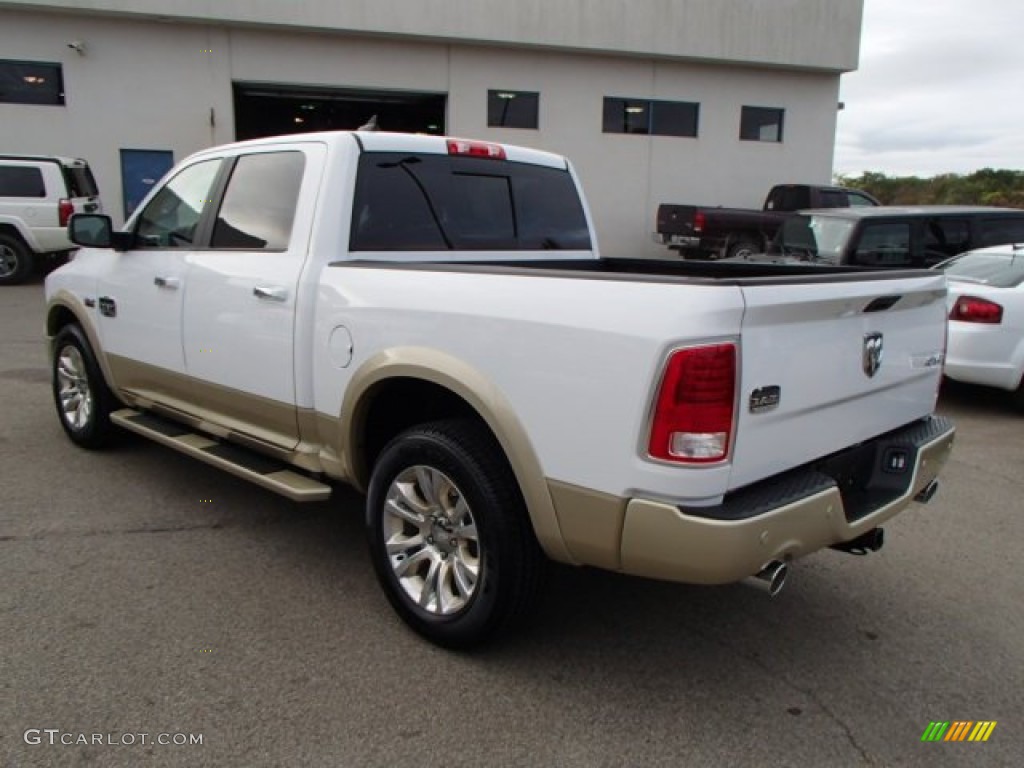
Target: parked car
(715,232)
(38,195)
(986,318)
(388,311)
(892,236)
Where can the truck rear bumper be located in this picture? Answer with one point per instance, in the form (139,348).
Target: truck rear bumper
(785,517)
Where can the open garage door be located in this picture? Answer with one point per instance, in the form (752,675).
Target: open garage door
(273,109)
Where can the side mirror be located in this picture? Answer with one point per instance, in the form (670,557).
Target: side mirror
(95,230)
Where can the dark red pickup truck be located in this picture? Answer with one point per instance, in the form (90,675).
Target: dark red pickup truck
(711,233)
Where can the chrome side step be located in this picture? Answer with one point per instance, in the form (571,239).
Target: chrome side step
(241,462)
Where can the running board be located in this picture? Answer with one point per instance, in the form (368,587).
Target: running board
(241,462)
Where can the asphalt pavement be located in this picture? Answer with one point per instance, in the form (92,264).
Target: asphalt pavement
(146,597)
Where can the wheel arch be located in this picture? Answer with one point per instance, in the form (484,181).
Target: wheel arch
(65,308)
(14,227)
(399,388)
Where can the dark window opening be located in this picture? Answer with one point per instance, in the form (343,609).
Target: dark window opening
(627,116)
(31,82)
(944,238)
(674,118)
(410,202)
(761,124)
(647,117)
(1002,230)
(275,110)
(513,109)
(260,201)
(21,181)
(884,244)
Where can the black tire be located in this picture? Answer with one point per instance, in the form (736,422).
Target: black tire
(743,248)
(77,379)
(1018,397)
(509,561)
(16,260)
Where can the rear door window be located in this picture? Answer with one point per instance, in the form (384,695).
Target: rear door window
(422,202)
(21,181)
(883,244)
(944,238)
(833,198)
(260,201)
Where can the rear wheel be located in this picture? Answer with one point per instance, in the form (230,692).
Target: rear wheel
(449,534)
(742,249)
(15,260)
(79,392)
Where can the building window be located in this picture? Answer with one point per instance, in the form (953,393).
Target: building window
(761,124)
(512,109)
(31,82)
(656,118)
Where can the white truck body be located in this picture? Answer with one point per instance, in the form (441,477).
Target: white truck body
(562,359)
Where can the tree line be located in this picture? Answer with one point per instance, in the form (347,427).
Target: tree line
(985,187)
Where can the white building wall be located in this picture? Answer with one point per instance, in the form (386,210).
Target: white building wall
(154,85)
(814,34)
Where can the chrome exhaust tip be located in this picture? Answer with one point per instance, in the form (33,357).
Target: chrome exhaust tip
(927,492)
(770,579)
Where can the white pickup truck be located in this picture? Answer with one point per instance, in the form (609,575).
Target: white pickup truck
(429,320)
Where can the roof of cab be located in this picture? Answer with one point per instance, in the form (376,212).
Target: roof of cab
(895,211)
(384,141)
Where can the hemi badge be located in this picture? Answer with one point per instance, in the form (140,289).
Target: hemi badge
(765,399)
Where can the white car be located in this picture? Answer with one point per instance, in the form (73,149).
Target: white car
(986,318)
(38,195)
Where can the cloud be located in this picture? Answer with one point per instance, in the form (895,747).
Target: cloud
(937,91)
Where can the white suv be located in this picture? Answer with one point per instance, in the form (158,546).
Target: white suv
(37,197)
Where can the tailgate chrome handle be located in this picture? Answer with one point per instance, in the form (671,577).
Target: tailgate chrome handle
(170,283)
(270,293)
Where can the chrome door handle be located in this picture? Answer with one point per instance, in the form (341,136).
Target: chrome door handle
(170,283)
(269,293)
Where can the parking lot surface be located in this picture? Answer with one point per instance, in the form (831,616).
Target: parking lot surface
(146,593)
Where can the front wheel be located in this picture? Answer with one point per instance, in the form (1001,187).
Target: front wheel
(79,392)
(449,534)
(15,260)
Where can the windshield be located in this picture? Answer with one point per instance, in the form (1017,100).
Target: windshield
(821,238)
(1002,269)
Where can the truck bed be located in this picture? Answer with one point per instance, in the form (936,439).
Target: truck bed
(656,270)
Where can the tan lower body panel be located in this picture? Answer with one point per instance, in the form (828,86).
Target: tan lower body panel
(659,541)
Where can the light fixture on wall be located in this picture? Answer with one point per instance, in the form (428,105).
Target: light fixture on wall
(77,46)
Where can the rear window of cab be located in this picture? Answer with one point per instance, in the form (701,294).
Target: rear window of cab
(422,202)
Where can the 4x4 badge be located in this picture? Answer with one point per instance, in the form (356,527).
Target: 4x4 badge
(872,356)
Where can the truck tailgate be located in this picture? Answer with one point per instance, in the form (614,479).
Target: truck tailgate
(827,364)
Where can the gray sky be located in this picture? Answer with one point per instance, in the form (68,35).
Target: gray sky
(940,89)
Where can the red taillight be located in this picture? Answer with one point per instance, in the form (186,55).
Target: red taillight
(64,210)
(476,149)
(971,309)
(693,414)
(698,221)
